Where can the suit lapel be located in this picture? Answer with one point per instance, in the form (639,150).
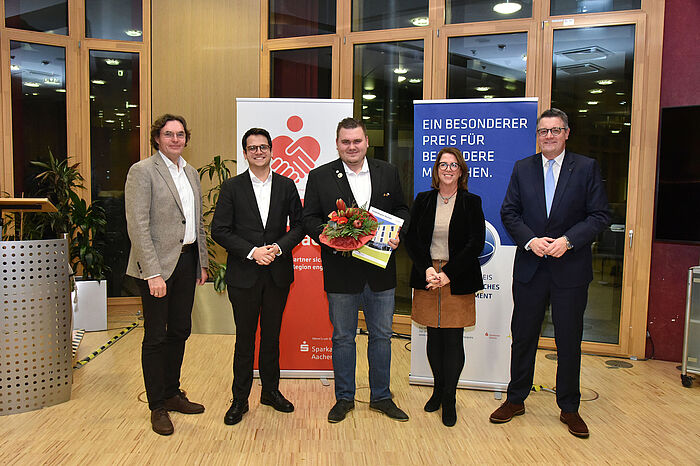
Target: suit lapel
(163,170)
(375,178)
(342,180)
(539,183)
(250,199)
(567,167)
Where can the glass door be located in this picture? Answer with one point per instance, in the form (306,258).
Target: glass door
(592,77)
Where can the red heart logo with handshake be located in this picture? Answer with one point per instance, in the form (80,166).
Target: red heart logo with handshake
(295,159)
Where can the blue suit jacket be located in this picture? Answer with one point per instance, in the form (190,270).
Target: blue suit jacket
(579,211)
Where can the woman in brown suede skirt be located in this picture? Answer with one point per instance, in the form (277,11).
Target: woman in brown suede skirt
(445,237)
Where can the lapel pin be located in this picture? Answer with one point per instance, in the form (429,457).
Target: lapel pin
(387,194)
(339,175)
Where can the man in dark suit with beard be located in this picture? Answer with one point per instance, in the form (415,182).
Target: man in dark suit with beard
(250,221)
(350,283)
(554,207)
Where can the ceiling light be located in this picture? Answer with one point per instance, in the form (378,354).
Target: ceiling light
(53,80)
(488,96)
(507,7)
(368,96)
(364,107)
(32,84)
(61,90)
(98,81)
(583,110)
(415,80)
(619,93)
(605,82)
(615,131)
(482,88)
(592,102)
(420,21)
(133,33)
(112,61)
(401,79)
(623,102)
(400,70)
(627,123)
(35,93)
(14,67)
(595,91)
(120,114)
(365,117)
(511,87)
(109,121)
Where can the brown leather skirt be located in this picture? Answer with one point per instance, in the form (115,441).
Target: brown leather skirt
(440,308)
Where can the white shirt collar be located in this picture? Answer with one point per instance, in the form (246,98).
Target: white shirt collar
(557,160)
(364,169)
(181,163)
(256,180)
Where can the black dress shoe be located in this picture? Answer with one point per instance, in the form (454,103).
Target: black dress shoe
(235,412)
(433,403)
(389,408)
(449,414)
(276,400)
(340,410)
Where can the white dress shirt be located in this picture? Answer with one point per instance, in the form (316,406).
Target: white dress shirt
(263,193)
(360,184)
(556,168)
(184,189)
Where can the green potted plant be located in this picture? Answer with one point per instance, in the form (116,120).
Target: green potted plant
(212,312)
(85,224)
(217,171)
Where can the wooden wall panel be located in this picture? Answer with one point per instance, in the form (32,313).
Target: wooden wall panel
(205,53)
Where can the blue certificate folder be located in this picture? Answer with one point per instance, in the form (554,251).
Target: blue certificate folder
(377,251)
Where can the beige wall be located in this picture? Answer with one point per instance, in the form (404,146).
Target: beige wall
(205,53)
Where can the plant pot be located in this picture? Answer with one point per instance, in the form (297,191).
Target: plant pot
(90,306)
(212,311)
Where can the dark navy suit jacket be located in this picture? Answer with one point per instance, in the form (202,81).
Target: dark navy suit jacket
(579,211)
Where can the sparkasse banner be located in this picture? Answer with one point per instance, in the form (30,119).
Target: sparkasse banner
(303,137)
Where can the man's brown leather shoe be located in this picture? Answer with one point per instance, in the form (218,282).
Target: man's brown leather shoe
(576,425)
(160,422)
(181,404)
(506,412)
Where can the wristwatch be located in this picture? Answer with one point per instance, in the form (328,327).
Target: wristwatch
(568,243)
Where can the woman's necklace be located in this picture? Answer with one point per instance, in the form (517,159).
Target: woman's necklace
(445,200)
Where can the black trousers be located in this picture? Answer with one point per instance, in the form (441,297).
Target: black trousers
(445,348)
(167,323)
(530,302)
(265,302)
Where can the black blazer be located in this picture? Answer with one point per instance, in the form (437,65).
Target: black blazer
(327,183)
(238,227)
(579,211)
(465,241)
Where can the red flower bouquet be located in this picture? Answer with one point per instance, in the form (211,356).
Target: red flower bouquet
(348,229)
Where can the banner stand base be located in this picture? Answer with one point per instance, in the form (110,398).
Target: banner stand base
(470,384)
(301,374)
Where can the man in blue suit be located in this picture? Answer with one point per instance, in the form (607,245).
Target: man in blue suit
(554,207)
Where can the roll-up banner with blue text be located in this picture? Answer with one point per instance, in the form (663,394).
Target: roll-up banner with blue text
(492,134)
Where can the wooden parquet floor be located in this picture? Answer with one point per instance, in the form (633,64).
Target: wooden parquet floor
(642,415)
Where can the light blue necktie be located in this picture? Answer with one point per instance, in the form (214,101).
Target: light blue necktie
(549,186)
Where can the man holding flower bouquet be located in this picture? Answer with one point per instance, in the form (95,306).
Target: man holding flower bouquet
(338,195)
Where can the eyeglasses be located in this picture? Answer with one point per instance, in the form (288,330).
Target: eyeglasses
(556,131)
(262,147)
(171,135)
(448,166)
